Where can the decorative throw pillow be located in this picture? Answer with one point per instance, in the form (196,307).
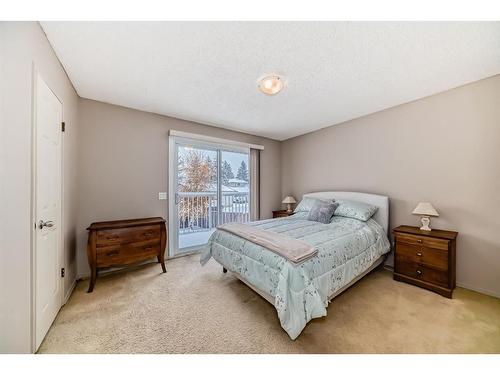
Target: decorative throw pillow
(355,210)
(322,211)
(307,203)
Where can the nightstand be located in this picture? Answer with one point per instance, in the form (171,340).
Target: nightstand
(426,258)
(281,213)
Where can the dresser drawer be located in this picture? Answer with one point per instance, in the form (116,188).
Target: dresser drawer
(421,272)
(423,255)
(127,235)
(127,254)
(435,243)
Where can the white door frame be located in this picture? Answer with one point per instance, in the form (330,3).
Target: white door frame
(35,74)
(172,182)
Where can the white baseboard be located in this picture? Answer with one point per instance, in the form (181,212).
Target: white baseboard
(388,267)
(69,292)
(491,293)
(83,276)
(86,275)
(479,290)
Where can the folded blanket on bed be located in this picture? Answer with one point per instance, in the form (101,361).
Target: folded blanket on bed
(296,251)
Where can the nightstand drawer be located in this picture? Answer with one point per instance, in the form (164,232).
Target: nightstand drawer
(436,243)
(282,213)
(434,258)
(421,272)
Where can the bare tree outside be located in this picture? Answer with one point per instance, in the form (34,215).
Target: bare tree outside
(202,201)
(197,173)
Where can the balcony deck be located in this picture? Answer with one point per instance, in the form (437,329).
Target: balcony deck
(198,215)
(199,238)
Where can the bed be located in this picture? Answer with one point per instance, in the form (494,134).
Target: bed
(348,249)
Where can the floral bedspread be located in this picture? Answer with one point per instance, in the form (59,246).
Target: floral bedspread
(346,248)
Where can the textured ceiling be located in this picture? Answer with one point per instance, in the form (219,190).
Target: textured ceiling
(334,71)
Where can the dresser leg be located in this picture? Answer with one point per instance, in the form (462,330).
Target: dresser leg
(93,277)
(91,253)
(161,260)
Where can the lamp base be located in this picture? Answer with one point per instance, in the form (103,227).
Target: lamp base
(289,208)
(426,221)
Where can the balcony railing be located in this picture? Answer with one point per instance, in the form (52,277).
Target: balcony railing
(199,211)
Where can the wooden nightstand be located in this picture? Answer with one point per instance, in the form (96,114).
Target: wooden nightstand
(281,213)
(426,258)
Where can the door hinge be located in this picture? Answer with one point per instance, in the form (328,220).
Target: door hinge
(63,272)
(63,126)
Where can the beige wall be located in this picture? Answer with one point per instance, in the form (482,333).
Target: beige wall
(23,44)
(123,164)
(444,149)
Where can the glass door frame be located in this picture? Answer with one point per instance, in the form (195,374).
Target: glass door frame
(173,216)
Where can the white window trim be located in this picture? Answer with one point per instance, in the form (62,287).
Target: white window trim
(217,141)
(190,139)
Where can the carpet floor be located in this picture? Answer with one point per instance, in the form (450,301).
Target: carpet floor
(194,309)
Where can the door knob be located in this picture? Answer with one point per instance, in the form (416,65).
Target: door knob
(47,224)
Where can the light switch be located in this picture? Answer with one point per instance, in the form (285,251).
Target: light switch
(162,195)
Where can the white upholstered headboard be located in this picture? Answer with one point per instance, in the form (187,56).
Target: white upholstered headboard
(381,201)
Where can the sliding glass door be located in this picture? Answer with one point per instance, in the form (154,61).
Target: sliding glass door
(211,187)
(234,187)
(196,195)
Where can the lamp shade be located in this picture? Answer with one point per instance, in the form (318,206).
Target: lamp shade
(289,200)
(426,209)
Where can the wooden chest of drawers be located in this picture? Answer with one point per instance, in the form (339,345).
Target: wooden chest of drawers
(426,258)
(281,213)
(125,242)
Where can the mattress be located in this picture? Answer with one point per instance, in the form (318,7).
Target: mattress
(347,248)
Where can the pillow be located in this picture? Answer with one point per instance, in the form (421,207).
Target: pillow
(322,211)
(307,203)
(355,210)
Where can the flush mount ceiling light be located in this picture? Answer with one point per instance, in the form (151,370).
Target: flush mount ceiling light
(271,85)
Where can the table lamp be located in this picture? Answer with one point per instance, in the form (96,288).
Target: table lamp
(289,200)
(425,209)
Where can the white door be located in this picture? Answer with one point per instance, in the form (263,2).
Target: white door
(47,254)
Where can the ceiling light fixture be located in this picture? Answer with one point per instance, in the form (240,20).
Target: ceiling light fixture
(271,85)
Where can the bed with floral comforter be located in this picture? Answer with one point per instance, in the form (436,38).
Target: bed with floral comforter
(346,249)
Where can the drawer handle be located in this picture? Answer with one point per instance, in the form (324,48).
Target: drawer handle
(112,237)
(419,254)
(113,253)
(148,234)
(419,241)
(419,272)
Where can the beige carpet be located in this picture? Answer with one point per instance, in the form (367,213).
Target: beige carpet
(194,309)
